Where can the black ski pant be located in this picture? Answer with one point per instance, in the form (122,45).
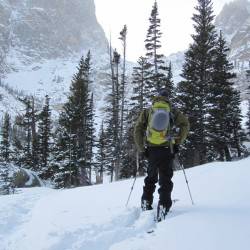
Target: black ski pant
(160,161)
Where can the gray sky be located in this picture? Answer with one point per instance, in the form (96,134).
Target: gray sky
(175,15)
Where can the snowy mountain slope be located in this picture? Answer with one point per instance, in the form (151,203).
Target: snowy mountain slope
(95,218)
(41,44)
(234,21)
(9,104)
(38,29)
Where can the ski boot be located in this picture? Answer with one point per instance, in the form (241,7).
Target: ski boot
(146,205)
(162,211)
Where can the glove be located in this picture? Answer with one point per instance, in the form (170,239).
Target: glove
(177,140)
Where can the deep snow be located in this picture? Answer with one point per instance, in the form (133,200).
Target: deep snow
(95,218)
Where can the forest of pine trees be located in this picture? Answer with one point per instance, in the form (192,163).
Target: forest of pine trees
(74,151)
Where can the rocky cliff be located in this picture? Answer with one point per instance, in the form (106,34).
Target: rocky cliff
(45,29)
(234,21)
(41,42)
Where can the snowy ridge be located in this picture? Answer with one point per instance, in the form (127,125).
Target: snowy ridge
(9,104)
(95,218)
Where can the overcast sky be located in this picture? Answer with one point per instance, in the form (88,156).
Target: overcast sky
(175,15)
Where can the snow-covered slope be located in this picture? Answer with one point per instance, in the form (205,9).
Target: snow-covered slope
(95,218)
(234,21)
(41,43)
(9,103)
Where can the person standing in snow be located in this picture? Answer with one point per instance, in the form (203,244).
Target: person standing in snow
(153,136)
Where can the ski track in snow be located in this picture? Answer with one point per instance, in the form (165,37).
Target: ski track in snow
(94,237)
(20,213)
(95,217)
(33,218)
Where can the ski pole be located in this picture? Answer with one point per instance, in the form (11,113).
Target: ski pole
(186,181)
(137,168)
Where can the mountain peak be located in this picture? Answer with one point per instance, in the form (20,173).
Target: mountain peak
(49,29)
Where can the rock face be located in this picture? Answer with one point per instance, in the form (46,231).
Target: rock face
(41,43)
(234,21)
(45,29)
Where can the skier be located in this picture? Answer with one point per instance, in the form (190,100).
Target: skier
(154,138)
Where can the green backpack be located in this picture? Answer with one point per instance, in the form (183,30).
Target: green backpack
(158,127)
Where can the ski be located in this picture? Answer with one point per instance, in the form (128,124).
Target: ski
(162,219)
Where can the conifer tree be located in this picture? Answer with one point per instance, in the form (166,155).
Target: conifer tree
(5,139)
(248,112)
(138,103)
(123,38)
(192,92)
(238,136)
(100,156)
(18,137)
(26,123)
(61,168)
(116,116)
(156,66)
(139,82)
(113,120)
(169,84)
(44,138)
(90,135)
(128,166)
(6,185)
(74,123)
(109,121)
(220,98)
(34,139)
(248,119)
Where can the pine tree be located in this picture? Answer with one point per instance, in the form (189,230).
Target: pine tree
(44,138)
(139,81)
(248,112)
(192,92)
(100,156)
(116,117)
(112,122)
(74,124)
(5,139)
(26,123)
(6,185)
(248,119)
(18,137)
(34,139)
(123,38)
(220,97)
(61,168)
(138,103)
(90,136)
(155,60)
(129,154)
(238,136)
(169,84)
